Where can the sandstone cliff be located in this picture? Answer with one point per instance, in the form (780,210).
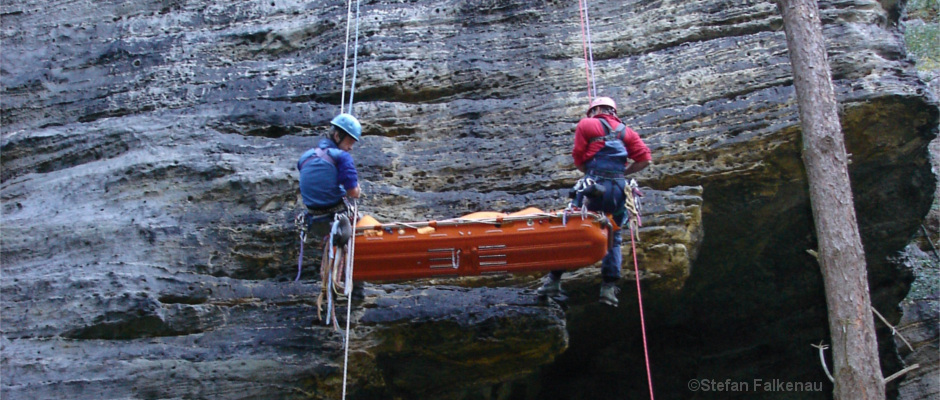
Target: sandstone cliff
(148,192)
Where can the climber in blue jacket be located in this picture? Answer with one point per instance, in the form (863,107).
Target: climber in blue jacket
(328,174)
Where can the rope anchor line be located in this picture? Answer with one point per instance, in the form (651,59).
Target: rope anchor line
(352,90)
(633,194)
(588,49)
(822,359)
(632,191)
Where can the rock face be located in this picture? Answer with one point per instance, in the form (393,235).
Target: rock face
(148,191)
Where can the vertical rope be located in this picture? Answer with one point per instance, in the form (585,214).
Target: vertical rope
(351,245)
(348,289)
(639,296)
(300,221)
(351,249)
(582,4)
(346,342)
(590,48)
(300,258)
(342,99)
(352,91)
(349,285)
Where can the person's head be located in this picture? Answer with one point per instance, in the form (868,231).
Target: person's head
(602,105)
(346,131)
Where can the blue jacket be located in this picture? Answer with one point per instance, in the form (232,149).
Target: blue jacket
(325,177)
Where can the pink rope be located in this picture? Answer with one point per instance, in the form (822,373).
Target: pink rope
(587,67)
(639,296)
(582,9)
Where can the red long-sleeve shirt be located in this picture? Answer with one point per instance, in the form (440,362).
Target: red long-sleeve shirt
(589,128)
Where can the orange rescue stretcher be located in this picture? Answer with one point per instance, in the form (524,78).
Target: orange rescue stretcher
(479,244)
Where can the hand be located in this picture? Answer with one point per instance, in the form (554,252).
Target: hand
(636,167)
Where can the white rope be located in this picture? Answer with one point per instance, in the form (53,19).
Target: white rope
(822,359)
(587,25)
(329,301)
(894,331)
(351,247)
(352,91)
(342,99)
(346,342)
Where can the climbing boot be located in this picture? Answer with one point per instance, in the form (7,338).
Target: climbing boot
(551,287)
(609,293)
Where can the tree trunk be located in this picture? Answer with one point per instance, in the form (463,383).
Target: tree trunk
(856,366)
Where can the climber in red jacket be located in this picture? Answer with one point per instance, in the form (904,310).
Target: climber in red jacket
(603,149)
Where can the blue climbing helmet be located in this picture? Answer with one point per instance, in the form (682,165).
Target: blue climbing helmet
(348,124)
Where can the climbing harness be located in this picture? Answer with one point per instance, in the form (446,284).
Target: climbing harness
(609,133)
(303,222)
(584,191)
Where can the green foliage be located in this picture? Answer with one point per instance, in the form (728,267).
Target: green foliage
(923,41)
(922,32)
(926,10)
